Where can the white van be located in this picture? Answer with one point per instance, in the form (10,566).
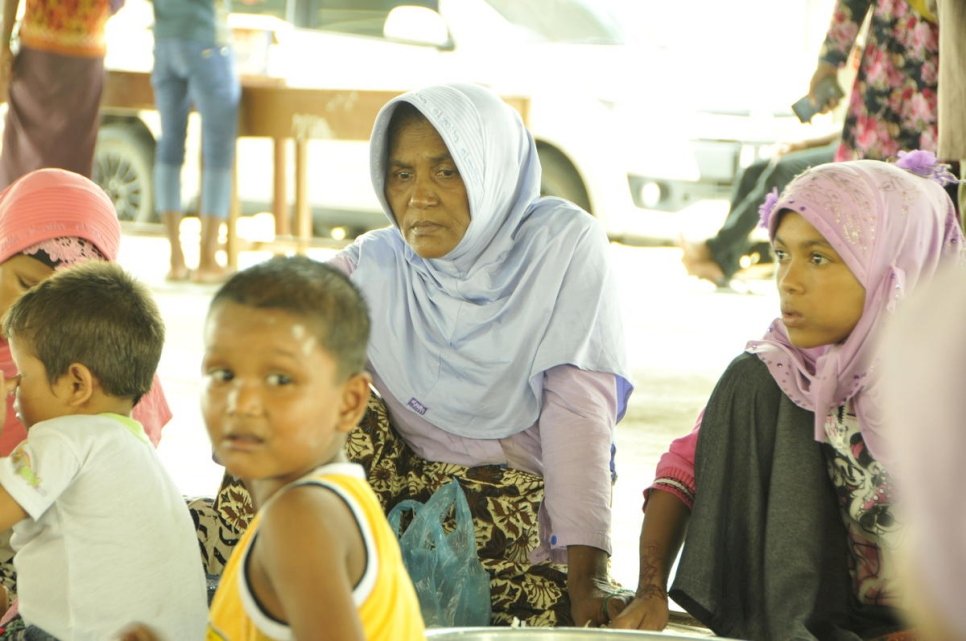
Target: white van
(605,141)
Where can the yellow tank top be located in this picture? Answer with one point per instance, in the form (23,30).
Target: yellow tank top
(384,596)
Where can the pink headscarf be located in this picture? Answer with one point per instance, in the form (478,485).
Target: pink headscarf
(49,204)
(54,203)
(893,229)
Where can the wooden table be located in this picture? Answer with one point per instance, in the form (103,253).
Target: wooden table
(271,109)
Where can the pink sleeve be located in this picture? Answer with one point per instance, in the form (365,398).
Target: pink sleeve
(576,431)
(675,469)
(344,261)
(152,411)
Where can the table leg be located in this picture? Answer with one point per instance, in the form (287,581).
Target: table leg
(303,214)
(234,210)
(279,188)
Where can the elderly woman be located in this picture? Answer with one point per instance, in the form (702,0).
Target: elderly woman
(497,349)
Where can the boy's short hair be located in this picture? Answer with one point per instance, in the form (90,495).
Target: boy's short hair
(95,314)
(321,295)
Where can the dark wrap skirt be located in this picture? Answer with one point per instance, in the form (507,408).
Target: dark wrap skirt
(765,556)
(52,114)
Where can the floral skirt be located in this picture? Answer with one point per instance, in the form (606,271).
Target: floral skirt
(504,503)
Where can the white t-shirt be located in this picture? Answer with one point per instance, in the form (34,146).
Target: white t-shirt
(108,540)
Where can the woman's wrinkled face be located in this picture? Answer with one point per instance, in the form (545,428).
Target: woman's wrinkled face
(821,300)
(425,190)
(18,274)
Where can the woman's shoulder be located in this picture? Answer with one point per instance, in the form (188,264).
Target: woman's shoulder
(746,374)
(385,241)
(553,208)
(562,219)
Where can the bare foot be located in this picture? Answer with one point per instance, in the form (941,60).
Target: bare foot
(178,274)
(697,260)
(694,252)
(211,276)
(708,270)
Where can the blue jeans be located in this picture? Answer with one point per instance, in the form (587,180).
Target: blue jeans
(193,73)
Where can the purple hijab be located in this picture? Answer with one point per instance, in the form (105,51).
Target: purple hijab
(893,229)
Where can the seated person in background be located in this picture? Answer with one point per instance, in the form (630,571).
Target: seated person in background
(784,485)
(285,382)
(718,259)
(497,349)
(86,343)
(923,373)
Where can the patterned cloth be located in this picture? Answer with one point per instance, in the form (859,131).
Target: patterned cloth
(220,522)
(68,28)
(504,503)
(894,99)
(865,495)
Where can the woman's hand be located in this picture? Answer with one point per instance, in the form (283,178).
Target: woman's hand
(594,597)
(665,522)
(596,602)
(648,611)
(823,72)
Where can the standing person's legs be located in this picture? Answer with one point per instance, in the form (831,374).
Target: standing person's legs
(171,98)
(215,90)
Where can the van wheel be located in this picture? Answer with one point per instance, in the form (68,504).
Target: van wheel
(124,167)
(561,179)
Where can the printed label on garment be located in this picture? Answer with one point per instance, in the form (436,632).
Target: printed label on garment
(417,407)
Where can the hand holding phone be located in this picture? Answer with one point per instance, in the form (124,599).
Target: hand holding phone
(825,92)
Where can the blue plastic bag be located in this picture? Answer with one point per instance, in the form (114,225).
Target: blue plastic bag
(452,586)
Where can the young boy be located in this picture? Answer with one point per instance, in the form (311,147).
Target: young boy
(285,382)
(101,533)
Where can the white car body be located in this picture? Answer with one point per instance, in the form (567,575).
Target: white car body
(604,122)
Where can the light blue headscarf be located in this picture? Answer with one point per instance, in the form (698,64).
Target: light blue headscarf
(464,340)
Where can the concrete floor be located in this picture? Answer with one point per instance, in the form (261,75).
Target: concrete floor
(681,333)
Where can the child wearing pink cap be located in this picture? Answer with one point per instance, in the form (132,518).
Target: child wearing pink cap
(51,219)
(782,494)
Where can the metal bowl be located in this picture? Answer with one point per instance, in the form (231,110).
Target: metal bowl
(551,634)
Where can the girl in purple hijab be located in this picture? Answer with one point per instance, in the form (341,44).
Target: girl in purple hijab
(788,537)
